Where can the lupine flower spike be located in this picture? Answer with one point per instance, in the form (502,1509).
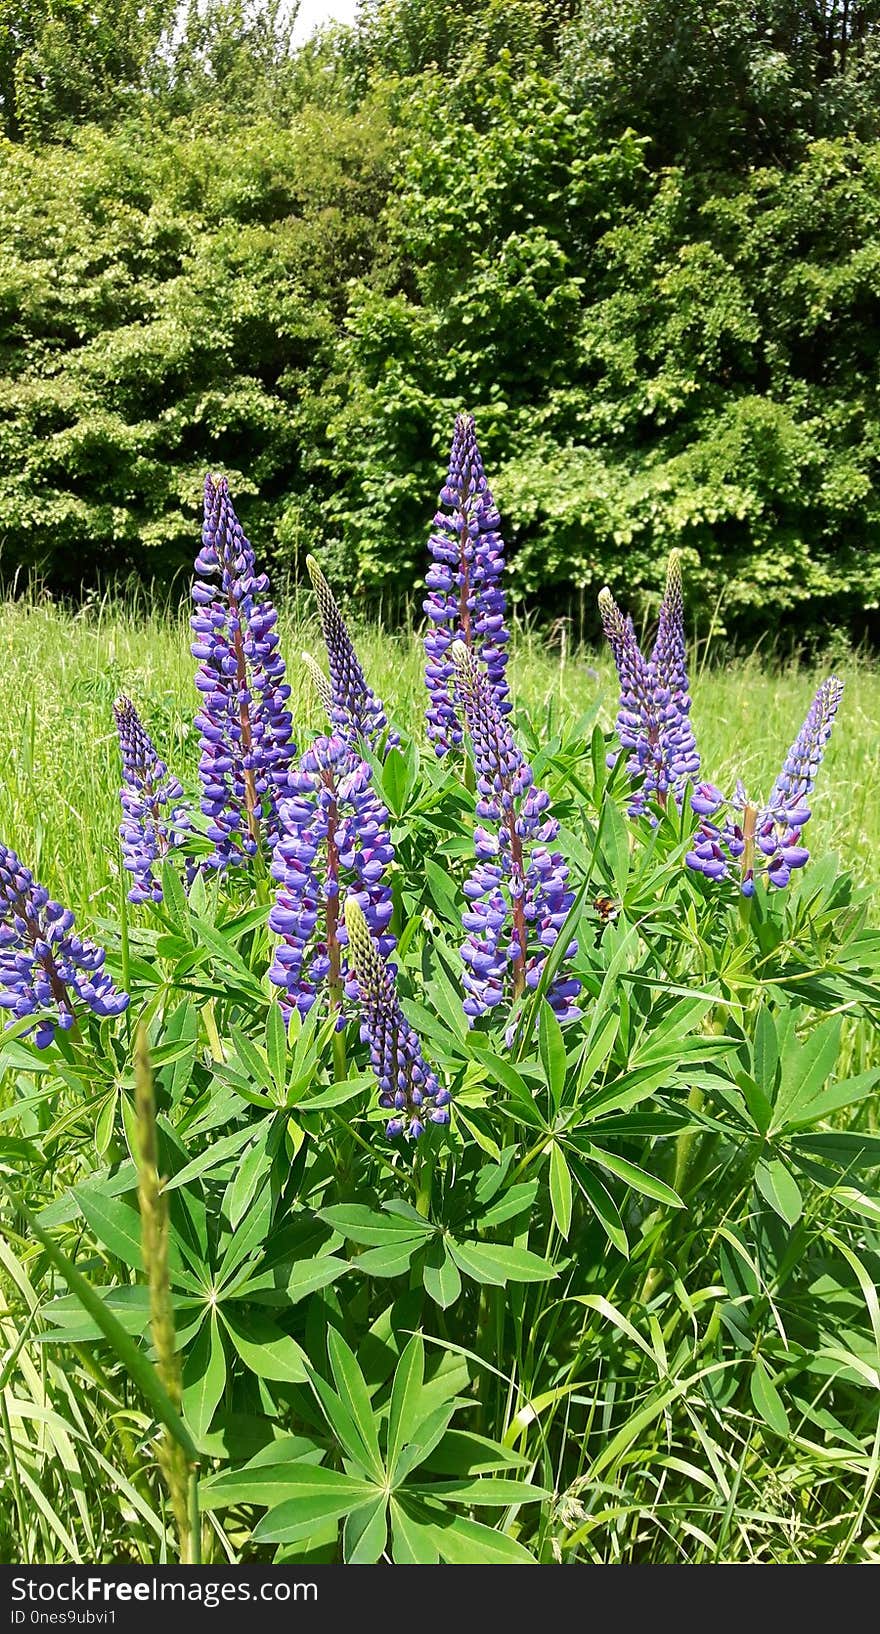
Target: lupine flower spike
(355,711)
(653,721)
(465,600)
(151,821)
(738,838)
(244,723)
(320,682)
(333,835)
(518,894)
(408,1089)
(43,965)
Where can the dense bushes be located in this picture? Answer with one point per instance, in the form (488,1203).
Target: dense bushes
(303,289)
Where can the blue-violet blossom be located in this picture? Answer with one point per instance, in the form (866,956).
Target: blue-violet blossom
(408,1088)
(518,893)
(151,821)
(653,721)
(465,601)
(333,838)
(354,709)
(43,964)
(740,839)
(244,723)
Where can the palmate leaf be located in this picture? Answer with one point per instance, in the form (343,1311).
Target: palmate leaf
(263,1347)
(464,1542)
(318,1494)
(413,1542)
(406,1400)
(496,1263)
(638,1179)
(779,1188)
(441,1276)
(364,1225)
(805,1068)
(355,1397)
(552,1051)
(260,1482)
(560,1190)
(204,1379)
(490,1491)
(365,1532)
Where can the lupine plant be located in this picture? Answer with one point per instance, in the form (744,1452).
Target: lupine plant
(466,600)
(741,839)
(353,707)
(518,895)
(244,724)
(653,718)
(502,1189)
(334,839)
(153,816)
(45,968)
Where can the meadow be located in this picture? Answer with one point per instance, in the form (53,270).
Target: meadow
(62,670)
(623,1312)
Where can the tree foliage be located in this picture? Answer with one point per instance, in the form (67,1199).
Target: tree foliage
(638,242)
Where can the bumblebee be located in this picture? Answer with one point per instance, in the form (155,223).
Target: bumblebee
(606,908)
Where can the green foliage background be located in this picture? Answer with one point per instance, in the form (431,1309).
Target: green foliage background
(639,241)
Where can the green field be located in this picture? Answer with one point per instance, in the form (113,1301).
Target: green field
(61,673)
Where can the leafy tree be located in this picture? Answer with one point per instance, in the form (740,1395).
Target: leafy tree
(63,63)
(725,82)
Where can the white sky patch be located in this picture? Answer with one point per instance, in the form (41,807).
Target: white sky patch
(315,14)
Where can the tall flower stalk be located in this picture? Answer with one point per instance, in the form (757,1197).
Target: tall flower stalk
(408,1087)
(44,966)
(465,600)
(743,840)
(333,839)
(244,723)
(153,1201)
(355,711)
(152,822)
(653,719)
(518,893)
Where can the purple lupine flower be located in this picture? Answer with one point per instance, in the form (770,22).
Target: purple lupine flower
(465,601)
(355,711)
(653,721)
(151,822)
(408,1088)
(43,964)
(333,835)
(741,839)
(518,893)
(244,723)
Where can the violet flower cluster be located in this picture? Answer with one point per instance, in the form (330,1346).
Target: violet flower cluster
(353,707)
(518,893)
(151,821)
(44,966)
(738,838)
(333,837)
(244,723)
(465,601)
(408,1088)
(653,721)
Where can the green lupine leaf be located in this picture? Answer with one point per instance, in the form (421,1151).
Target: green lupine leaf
(496,1263)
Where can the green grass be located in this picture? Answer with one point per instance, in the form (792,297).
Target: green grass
(61,672)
